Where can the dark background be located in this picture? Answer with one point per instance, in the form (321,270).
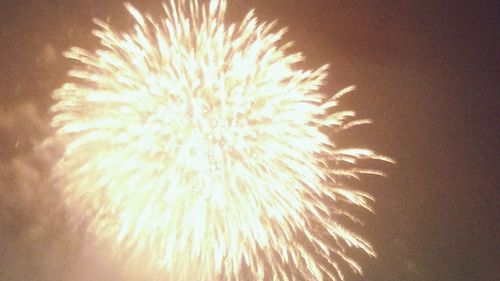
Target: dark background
(427,74)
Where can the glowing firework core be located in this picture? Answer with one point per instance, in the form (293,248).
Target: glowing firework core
(198,145)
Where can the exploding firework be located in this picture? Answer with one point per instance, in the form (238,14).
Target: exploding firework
(199,145)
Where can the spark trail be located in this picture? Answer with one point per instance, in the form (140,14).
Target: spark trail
(199,145)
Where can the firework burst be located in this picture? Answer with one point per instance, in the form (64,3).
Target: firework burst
(198,145)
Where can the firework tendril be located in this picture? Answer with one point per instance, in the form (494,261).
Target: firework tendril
(201,146)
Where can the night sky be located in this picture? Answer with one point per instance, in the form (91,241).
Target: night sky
(427,74)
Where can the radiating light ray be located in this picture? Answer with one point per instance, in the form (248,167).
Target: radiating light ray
(198,144)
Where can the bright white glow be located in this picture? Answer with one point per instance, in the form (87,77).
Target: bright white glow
(198,144)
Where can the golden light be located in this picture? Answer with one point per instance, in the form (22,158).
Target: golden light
(197,144)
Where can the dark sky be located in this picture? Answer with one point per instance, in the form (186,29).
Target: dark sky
(427,73)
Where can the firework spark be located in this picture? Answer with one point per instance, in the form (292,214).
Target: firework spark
(198,144)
